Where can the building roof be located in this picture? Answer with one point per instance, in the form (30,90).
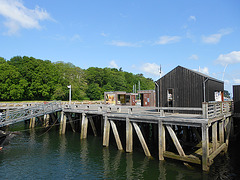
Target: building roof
(199,73)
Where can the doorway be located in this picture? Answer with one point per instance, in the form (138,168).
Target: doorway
(170,97)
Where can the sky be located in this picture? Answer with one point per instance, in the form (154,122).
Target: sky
(135,35)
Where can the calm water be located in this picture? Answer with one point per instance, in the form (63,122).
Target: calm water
(51,156)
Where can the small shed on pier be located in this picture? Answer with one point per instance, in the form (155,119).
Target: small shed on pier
(183,87)
(120,98)
(147,97)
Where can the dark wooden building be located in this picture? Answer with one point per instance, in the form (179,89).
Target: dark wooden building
(236,98)
(183,87)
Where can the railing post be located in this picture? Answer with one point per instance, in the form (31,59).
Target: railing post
(130,110)
(100,109)
(214,109)
(205,110)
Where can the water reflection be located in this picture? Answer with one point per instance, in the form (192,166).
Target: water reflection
(106,161)
(73,158)
(32,137)
(162,171)
(84,154)
(117,160)
(63,145)
(45,144)
(129,166)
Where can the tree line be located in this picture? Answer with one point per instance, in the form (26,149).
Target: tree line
(28,78)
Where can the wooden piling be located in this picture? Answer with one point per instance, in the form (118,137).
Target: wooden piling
(106,132)
(214,136)
(84,126)
(129,136)
(62,129)
(221,131)
(161,140)
(205,148)
(32,122)
(46,120)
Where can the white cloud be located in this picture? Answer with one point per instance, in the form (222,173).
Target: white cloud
(236,81)
(124,44)
(193,57)
(230,58)
(18,16)
(215,38)
(203,70)
(168,39)
(151,68)
(192,18)
(103,34)
(113,64)
(76,37)
(227,82)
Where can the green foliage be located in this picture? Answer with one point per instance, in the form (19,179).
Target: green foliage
(94,92)
(226,94)
(27,78)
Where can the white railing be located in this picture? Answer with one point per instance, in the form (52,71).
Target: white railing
(217,109)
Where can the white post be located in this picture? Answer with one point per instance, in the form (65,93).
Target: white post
(69,94)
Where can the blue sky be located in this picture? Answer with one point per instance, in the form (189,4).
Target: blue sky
(137,35)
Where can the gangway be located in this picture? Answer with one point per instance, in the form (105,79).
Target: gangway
(21,114)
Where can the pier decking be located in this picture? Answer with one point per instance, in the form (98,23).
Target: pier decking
(206,130)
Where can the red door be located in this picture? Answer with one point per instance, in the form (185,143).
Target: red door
(146,100)
(133,98)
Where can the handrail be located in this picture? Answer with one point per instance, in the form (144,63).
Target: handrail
(17,115)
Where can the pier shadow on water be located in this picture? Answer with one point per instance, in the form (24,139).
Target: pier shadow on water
(53,156)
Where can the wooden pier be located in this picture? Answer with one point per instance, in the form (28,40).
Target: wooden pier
(196,136)
(206,133)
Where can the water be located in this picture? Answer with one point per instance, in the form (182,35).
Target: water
(51,156)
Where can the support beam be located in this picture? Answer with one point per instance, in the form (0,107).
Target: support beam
(53,117)
(71,121)
(129,136)
(221,132)
(142,140)
(116,135)
(205,148)
(175,141)
(199,138)
(214,136)
(84,126)
(228,131)
(187,158)
(93,126)
(106,132)
(216,152)
(161,140)
(62,129)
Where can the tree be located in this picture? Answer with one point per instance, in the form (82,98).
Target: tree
(94,92)
(2,60)
(28,78)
